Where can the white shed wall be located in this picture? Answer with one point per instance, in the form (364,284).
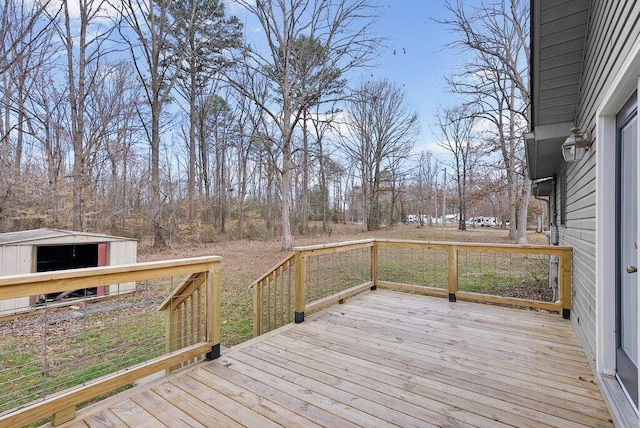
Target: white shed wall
(19,260)
(15,260)
(120,253)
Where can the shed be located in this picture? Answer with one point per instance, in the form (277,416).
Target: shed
(44,250)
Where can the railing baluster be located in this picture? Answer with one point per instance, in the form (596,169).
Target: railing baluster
(257,309)
(474,262)
(452,272)
(269,302)
(289,268)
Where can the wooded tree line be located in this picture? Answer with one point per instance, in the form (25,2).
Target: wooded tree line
(158,117)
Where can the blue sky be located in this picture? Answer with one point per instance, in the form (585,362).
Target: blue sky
(421,61)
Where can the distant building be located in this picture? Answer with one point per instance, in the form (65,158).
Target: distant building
(45,250)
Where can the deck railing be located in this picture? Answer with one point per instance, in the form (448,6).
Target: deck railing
(58,356)
(312,277)
(275,287)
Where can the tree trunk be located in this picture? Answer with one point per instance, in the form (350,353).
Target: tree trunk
(76,101)
(191,179)
(285,187)
(156,196)
(323,187)
(523,210)
(305,175)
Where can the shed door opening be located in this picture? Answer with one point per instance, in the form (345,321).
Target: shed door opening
(62,257)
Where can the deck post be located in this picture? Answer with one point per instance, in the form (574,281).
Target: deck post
(374,265)
(300,286)
(452,272)
(257,309)
(566,272)
(63,416)
(213,310)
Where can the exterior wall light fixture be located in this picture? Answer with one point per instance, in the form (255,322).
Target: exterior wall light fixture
(576,145)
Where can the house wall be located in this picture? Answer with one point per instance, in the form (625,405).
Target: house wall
(579,232)
(613,28)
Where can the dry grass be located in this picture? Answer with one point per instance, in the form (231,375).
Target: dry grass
(244,261)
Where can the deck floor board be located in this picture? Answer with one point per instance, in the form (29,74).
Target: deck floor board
(381,359)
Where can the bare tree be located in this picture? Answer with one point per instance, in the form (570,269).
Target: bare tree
(425,182)
(149,36)
(495,78)
(46,124)
(23,27)
(382,129)
(204,33)
(84,51)
(115,103)
(456,135)
(25,42)
(249,118)
(322,124)
(339,31)
(222,130)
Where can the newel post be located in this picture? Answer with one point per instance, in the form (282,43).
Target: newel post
(452,272)
(374,266)
(213,310)
(300,286)
(566,272)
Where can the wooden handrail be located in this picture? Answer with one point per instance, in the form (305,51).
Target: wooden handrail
(272,276)
(199,292)
(180,293)
(452,249)
(14,286)
(331,248)
(271,271)
(555,250)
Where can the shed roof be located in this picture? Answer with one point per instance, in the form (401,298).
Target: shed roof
(55,236)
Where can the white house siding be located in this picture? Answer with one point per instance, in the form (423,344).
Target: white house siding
(579,232)
(613,28)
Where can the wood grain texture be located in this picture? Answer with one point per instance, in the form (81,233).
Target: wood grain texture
(384,358)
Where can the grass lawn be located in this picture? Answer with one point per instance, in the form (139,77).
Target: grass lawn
(243,262)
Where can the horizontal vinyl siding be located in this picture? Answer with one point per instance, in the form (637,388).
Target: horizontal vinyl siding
(615,25)
(580,233)
(562,26)
(612,29)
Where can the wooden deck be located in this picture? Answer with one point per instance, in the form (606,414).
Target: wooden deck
(382,359)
